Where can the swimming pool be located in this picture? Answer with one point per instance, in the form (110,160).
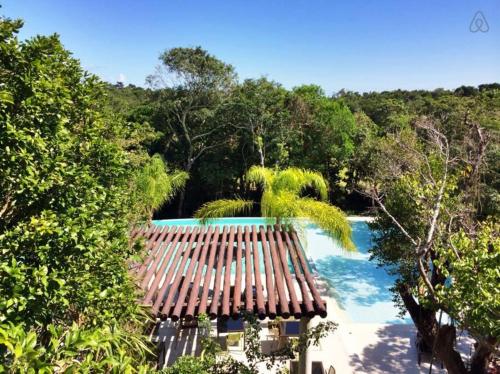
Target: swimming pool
(360,288)
(358,285)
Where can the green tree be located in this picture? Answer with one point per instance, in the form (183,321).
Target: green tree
(328,128)
(258,107)
(67,301)
(470,261)
(282,199)
(325,135)
(186,110)
(425,184)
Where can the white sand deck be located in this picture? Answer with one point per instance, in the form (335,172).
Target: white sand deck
(372,348)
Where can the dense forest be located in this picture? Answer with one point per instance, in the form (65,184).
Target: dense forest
(215,132)
(82,161)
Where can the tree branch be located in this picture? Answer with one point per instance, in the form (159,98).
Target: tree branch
(204,149)
(375,195)
(206,133)
(5,205)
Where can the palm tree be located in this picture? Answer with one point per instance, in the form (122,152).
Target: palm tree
(282,199)
(156,185)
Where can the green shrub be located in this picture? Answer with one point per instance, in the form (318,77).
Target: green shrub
(67,301)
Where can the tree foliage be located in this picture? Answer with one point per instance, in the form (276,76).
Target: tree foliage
(425,181)
(193,86)
(66,299)
(470,262)
(155,185)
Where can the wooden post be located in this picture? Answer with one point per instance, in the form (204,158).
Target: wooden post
(161,349)
(304,367)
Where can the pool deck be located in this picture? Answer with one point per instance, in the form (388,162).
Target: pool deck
(366,348)
(371,347)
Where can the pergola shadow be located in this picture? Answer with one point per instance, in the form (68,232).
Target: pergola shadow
(175,345)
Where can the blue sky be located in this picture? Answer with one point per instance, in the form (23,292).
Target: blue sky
(368,45)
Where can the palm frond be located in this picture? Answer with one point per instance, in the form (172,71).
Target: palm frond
(222,208)
(290,179)
(155,185)
(281,200)
(260,175)
(282,205)
(178,180)
(295,180)
(329,218)
(315,180)
(266,202)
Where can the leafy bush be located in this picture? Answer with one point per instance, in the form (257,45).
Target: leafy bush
(67,301)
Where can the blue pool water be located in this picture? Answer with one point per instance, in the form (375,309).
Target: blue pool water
(359,287)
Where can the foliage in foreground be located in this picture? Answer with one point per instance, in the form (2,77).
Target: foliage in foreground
(283,199)
(74,349)
(67,302)
(471,263)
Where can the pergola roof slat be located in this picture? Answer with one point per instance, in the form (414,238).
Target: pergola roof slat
(154,252)
(170,273)
(195,291)
(278,274)
(259,295)
(227,274)
(154,236)
(248,274)
(237,281)
(286,271)
(271,297)
(135,232)
(320,304)
(263,285)
(173,288)
(187,279)
(218,275)
(169,249)
(208,273)
(306,300)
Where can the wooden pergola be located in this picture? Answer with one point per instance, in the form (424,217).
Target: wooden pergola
(222,271)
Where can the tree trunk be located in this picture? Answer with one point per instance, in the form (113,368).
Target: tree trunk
(180,207)
(481,358)
(261,156)
(304,367)
(182,193)
(446,352)
(427,325)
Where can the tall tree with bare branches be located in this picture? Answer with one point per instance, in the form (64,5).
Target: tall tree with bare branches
(424,182)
